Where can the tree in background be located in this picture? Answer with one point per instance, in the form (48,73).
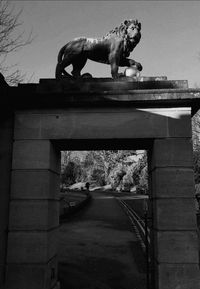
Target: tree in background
(196,146)
(71,173)
(12,38)
(116,176)
(122,169)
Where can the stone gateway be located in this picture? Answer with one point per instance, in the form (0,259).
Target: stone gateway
(88,115)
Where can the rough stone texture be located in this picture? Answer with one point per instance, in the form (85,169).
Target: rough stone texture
(35,155)
(174,214)
(173,183)
(40,276)
(176,247)
(32,247)
(33,214)
(178,276)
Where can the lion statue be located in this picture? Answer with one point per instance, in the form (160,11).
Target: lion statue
(112,49)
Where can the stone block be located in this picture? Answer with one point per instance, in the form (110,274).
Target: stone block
(31,247)
(174,214)
(6,140)
(176,246)
(4,205)
(26,276)
(57,286)
(32,276)
(179,123)
(172,152)
(32,154)
(172,183)
(3,239)
(33,215)
(3,247)
(35,184)
(2,274)
(183,276)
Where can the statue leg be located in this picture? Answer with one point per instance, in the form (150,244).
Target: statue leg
(60,68)
(78,65)
(114,66)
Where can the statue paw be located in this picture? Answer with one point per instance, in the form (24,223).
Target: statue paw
(86,75)
(139,66)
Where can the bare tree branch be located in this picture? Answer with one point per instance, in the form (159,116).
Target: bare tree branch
(12,38)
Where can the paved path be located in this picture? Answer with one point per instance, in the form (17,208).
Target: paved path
(99,250)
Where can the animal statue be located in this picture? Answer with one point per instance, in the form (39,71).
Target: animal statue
(113,49)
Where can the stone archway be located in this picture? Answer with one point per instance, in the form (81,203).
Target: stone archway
(116,114)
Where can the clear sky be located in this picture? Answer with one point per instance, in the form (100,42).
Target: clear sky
(170,43)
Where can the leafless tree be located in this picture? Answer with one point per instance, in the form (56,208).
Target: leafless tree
(12,38)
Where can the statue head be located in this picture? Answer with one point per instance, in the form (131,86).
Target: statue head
(132,30)
(129,31)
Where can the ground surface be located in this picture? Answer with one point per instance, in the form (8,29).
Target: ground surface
(98,248)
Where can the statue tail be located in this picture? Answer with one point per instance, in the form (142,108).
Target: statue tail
(61,53)
(61,71)
(59,67)
(58,72)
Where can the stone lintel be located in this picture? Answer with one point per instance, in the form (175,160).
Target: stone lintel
(103,123)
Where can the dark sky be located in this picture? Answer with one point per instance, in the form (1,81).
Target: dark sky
(170,43)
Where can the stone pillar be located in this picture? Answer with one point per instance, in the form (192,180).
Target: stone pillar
(175,243)
(6,139)
(34,216)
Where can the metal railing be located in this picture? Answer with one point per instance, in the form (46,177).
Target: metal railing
(140,226)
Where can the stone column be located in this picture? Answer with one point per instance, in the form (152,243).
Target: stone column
(6,139)
(175,243)
(34,216)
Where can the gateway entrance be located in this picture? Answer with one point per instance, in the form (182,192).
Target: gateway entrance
(43,119)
